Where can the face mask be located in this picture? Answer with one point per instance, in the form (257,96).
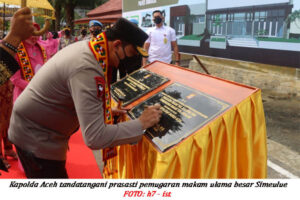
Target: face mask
(67,32)
(96,32)
(127,62)
(157,20)
(83,32)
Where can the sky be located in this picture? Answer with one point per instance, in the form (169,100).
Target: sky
(217,4)
(296,4)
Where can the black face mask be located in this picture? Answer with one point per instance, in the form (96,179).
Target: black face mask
(127,62)
(67,33)
(96,32)
(157,20)
(83,32)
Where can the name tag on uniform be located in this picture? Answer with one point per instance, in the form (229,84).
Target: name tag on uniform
(165,40)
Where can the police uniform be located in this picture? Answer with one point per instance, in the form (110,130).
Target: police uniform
(65,94)
(63,41)
(94,23)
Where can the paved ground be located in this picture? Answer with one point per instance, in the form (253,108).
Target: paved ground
(283,133)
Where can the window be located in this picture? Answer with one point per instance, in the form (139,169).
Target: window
(199,19)
(262,14)
(179,25)
(239,16)
(256,16)
(249,16)
(230,17)
(281,13)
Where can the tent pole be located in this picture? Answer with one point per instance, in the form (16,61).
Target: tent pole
(3,20)
(23,3)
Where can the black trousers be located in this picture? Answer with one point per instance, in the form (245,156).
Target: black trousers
(41,168)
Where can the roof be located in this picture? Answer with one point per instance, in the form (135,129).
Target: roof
(102,19)
(106,13)
(110,6)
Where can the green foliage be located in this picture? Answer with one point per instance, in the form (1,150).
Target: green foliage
(293,17)
(7,25)
(218,39)
(217,21)
(261,32)
(191,37)
(40,21)
(64,8)
(85,4)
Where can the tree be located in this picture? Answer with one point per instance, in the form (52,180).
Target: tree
(58,5)
(294,17)
(69,6)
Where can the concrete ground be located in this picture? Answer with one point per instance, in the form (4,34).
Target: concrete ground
(283,133)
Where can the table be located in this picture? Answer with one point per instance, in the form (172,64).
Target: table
(232,145)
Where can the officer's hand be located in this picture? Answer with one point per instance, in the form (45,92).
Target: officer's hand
(118,112)
(150,116)
(21,26)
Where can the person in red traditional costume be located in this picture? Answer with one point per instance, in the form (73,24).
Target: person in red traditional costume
(31,57)
(6,104)
(21,28)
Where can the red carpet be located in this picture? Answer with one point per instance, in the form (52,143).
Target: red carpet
(81,162)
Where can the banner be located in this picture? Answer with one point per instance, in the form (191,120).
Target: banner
(234,29)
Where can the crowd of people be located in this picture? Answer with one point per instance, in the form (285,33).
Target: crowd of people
(50,87)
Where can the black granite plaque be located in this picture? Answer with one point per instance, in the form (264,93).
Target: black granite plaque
(136,85)
(185,110)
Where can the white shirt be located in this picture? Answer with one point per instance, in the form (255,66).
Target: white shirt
(160,43)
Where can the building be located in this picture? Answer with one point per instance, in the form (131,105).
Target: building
(256,20)
(188,19)
(249,30)
(107,13)
(295,26)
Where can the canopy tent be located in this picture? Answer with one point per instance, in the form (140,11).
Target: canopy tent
(46,10)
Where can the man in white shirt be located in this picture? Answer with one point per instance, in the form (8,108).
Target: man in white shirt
(161,39)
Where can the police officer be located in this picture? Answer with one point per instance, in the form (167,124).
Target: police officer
(73,89)
(95,28)
(130,65)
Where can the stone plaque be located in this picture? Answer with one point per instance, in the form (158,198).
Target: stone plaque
(136,85)
(185,110)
